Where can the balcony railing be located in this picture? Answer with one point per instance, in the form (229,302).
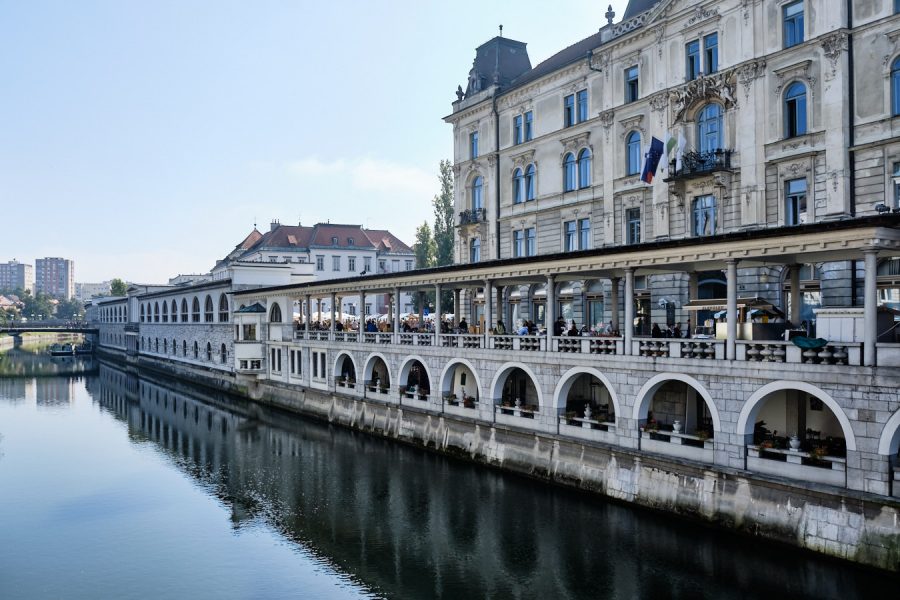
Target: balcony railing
(474,215)
(694,164)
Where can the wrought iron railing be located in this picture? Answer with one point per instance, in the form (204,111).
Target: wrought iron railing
(473,215)
(700,163)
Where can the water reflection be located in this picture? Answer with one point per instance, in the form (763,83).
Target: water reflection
(410,524)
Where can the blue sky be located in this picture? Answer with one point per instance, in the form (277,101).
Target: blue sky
(142,139)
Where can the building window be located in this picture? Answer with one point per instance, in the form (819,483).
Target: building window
(473,145)
(530,247)
(409,265)
(631,84)
(209,311)
(275,314)
(518,243)
(795,201)
(477,193)
(351,264)
(584,234)
(367,263)
(569,110)
(196,351)
(709,128)
(382,266)
(223,354)
(584,168)
(320,263)
(350,242)
(633,153)
(195,311)
(704,216)
(692,65)
(184,310)
(570,236)
(895,86)
(569,172)
(518,186)
(711,52)
(793,24)
(335,263)
(474,250)
(582,101)
(208,351)
(529,182)
(174,311)
(395,266)
(529,126)
(517,129)
(896,181)
(633,226)
(795,110)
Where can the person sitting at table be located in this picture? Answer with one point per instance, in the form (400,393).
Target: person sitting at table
(655,331)
(523,328)
(463,326)
(573,330)
(501,328)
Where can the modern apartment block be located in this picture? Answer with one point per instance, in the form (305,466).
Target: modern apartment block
(16,276)
(55,277)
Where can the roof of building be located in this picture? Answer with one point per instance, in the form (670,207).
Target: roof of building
(499,58)
(251,239)
(574,53)
(328,235)
(256,307)
(636,7)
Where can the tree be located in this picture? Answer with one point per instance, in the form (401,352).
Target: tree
(117,287)
(444,224)
(37,307)
(70,310)
(424,248)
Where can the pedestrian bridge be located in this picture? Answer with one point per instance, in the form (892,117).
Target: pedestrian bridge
(16,329)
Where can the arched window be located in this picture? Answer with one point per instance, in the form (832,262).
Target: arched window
(184,348)
(142,313)
(156,345)
(795,110)
(518,186)
(174,311)
(195,310)
(208,311)
(895,87)
(142,342)
(633,153)
(165,346)
(709,128)
(475,250)
(184,310)
(156,312)
(223,308)
(275,315)
(704,216)
(529,183)
(223,353)
(174,347)
(208,351)
(196,350)
(478,193)
(165,312)
(584,168)
(569,172)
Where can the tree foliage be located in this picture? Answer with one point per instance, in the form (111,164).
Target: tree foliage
(443,216)
(425,247)
(37,306)
(117,287)
(70,310)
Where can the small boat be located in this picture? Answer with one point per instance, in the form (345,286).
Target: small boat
(62,350)
(84,348)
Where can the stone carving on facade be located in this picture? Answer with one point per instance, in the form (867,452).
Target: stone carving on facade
(601,61)
(635,122)
(658,102)
(523,159)
(574,144)
(607,118)
(658,34)
(834,45)
(800,71)
(706,87)
(630,25)
(748,73)
(701,14)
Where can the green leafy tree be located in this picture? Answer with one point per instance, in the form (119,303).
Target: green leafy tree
(444,223)
(71,310)
(37,306)
(425,257)
(117,287)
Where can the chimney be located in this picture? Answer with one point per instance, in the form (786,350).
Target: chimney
(275,225)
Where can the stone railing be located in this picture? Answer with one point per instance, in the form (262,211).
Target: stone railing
(653,348)
(462,340)
(704,349)
(797,464)
(321,336)
(528,343)
(372,337)
(416,339)
(299,335)
(586,423)
(837,353)
(467,402)
(374,387)
(605,345)
(519,410)
(346,336)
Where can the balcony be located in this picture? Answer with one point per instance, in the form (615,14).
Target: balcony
(472,216)
(697,164)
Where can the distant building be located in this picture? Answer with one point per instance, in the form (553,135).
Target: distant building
(16,276)
(55,277)
(86,291)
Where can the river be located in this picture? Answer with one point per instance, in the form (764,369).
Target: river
(119,486)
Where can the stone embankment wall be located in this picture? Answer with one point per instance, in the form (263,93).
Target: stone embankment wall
(855,526)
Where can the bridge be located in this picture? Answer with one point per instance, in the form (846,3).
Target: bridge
(18,328)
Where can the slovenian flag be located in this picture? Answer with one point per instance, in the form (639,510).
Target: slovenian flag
(651,160)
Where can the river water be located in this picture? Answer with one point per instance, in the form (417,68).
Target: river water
(118,486)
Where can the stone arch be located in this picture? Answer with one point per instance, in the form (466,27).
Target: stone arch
(503,372)
(371,363)
(889,444)
(275,313)
(337,368)
(747,418)
(407,365)
(450,369)
(649,389)
(569,377)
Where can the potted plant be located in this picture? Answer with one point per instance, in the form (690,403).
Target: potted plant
(468,401)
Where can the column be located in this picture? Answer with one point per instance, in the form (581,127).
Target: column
(421,295)
(614,300)
(456,307)
(693,285)
(629,309)
(319,310)
(795,295)
(731,314)
(437,312)
(333,314)
(550,310)
(500,314)
(362,315)
(308,314)
(396,305)
(488,309)
(870,308)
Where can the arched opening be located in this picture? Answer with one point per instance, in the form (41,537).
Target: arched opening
(165,312)
(174,311)
(223,308)
(569,172)
(516,393)
(156,312)
(174,347)
(223,353)
(196,350)
(184,348)
(460,386)
(142,313)
(184,310)
(165,346)
(377,376)
(677,417)
(195,310)
(208,351)
(794,429)
(586,400)
(414,380)
(208,313)
(275,314)
(345,372)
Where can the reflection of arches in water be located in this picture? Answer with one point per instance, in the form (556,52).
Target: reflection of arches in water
(668,397)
